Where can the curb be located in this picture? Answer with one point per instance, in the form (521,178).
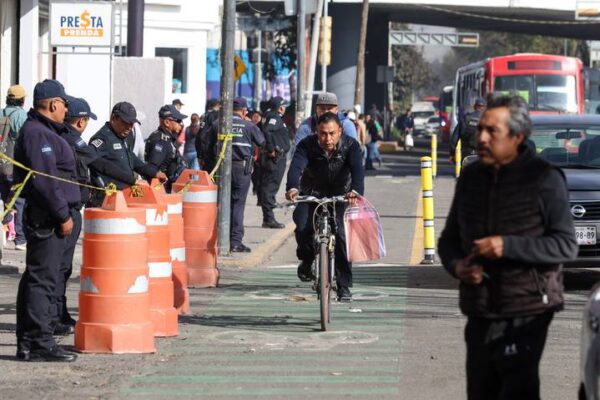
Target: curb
(262,252)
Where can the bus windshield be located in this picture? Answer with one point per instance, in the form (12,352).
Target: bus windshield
(557,93)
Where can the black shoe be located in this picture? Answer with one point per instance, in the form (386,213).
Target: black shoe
(61,329)
(54,354)
(68,320)
(273,225)
(344,294)
(305,271)
(240,248)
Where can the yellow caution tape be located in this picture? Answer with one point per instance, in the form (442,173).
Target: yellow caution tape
(109,190)
(136,191)
(223,137)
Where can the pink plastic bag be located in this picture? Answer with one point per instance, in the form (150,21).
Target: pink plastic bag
(364,234)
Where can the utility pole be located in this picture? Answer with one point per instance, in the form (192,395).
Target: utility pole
(360,62)
(225,124)
(301,61)
(314,46)
(135,28)
(324,65)
(258,75)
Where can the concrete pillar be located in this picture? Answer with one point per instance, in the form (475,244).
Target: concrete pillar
(8,45)
(376,54)
(29,47)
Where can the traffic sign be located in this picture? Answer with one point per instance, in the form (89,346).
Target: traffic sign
(409,38)
(239,67)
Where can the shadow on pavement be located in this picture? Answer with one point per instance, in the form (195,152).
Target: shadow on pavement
(254,322)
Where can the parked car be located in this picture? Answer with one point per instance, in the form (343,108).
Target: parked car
(432,126)
(572,142)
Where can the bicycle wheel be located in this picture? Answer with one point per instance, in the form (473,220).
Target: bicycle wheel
(324,287)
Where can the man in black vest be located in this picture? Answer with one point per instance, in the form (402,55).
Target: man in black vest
(466,131)
(273,160)
(507,233)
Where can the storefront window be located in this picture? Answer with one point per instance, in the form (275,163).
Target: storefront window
(180,63)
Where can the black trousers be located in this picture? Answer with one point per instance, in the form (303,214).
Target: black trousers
(36,301)
(503,357)
(66,269)
(240,185)
(271,177)
(303,218)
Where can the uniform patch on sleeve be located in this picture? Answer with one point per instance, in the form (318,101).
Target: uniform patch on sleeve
(272,121)
(80,142)
(46,149)
(158,147)
(117,146)
(97,143)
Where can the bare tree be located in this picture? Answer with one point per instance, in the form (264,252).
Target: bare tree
(360,62)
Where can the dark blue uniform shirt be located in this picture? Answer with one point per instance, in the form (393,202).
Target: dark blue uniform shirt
(244,134)
(41,148)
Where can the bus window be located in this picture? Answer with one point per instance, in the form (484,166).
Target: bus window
(519,84)
(556,92)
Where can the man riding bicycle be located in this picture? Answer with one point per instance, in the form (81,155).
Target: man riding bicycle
(324,165)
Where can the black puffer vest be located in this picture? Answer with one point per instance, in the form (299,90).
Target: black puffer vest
(327,176)
(506,202)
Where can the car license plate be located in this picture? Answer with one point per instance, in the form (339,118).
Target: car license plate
(586,235)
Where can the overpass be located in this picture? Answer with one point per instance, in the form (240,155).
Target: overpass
(542,17)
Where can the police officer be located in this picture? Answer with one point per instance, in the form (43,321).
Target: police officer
(161,146)
(245,133)
(48,220)
(204,139)
(466,131)
(110,142)
(273,160)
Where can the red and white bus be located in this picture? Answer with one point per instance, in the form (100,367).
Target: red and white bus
(550,84)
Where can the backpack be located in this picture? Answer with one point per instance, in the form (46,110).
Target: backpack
(8,139)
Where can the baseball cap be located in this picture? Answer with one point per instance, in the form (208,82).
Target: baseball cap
(16,92)
(327,98)
(279,101)
(79,108)
(125,111)
(49,89)
(169,111)
(480,101)
(239,103)
(177,102)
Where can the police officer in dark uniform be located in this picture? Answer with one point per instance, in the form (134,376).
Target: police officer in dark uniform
(466,131)
(210,119)
(245,133)
(273,160)
(48,220)
(110,142)
(161,146)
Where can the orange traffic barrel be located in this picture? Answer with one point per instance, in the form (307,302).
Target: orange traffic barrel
(114,303)
(177,247)
(162,312)
(199,227)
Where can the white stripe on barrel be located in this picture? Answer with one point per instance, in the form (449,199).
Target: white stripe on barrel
(200,197)
(113,226)
(178,254)
(153,218)
(160,269)
(175,208)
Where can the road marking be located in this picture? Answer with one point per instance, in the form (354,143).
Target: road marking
(416,255)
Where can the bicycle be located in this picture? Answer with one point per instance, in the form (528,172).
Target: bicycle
(323,270)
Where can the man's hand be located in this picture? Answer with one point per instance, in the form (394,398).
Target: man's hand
(291,195)
(272,154)
(471,274)
(161,176)
(491,247)
(451,158)
(352,198)
(66,227)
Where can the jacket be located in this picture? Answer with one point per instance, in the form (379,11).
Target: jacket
(315,173)
(161,153)
(526,203)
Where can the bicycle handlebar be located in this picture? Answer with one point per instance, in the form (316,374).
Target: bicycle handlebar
(318,200)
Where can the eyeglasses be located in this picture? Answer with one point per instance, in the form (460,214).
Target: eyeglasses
(175,120)
(65,102)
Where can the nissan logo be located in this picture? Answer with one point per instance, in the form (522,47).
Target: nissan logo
(577,211)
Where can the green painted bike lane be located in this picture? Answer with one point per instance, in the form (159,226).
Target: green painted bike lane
(258,336)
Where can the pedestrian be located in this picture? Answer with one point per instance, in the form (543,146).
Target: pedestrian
(361,130)
(13,117)
(161,150)
(245,133)
(177,104)
(508,232)
(324,165)
(48,221)
(273,160)
(375,131)
(110,142)
(326,102)
(189,144)
(466,131)
(256,118)
(210,121)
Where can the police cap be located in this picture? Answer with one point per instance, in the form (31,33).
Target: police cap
(278,101)
(79,108)
(50,89)
(169,111)
(239,103)
(126,111)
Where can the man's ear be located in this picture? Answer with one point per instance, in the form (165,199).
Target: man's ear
(520,138)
